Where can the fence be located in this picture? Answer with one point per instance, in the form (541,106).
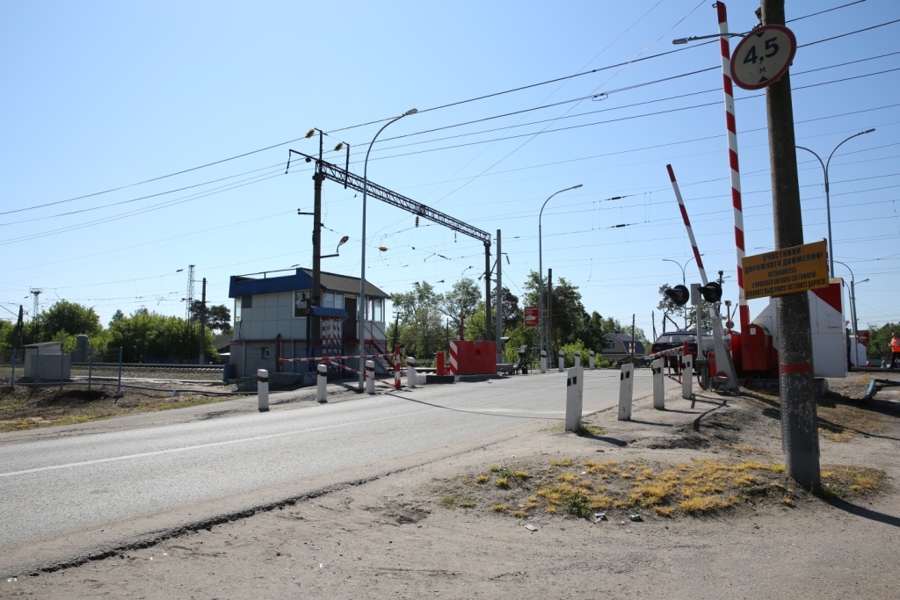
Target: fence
(101,367)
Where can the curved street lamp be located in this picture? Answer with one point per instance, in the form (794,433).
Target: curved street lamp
(362,275)
(683,279)
(853,320)
(541,267)
(825,165)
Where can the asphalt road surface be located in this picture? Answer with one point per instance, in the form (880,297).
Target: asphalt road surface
(83,495)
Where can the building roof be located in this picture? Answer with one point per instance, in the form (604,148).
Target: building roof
(222,342)
(247,285)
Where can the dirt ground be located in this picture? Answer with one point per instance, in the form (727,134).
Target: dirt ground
(694,506)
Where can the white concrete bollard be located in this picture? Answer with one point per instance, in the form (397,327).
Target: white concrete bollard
(410,372)
(562,361)
(687,376)
(543,361)
(262,389)
(626,391)
(370,377)
(574,398)
(659,385)
(578,358)
(591,360)
(321,383)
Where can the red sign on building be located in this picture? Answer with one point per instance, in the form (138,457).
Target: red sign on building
(531,316)
(863,337)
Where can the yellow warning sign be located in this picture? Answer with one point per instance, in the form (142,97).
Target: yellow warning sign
(786,271)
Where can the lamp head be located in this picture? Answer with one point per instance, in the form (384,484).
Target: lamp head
(411,111)
(343,241)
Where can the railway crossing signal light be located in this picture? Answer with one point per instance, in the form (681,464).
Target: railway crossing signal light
(711,292)
(678,294)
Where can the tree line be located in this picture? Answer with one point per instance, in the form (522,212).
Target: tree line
(425,321)
(143,336)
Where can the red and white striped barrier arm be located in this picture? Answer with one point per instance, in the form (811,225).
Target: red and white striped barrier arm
(738,210)
(687,225)
(315,358)
(354,371)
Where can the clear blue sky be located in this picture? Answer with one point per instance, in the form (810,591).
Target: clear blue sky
(101,96)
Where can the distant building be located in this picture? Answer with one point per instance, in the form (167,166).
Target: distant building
(272,321)
(619,346)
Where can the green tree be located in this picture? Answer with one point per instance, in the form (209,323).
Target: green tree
(7,336)
(880,341)
(512,313)
(150,337)
(218,317)
(462,299)
(421,326)
(70,318)
(118,316)
(475,325)
(563,308)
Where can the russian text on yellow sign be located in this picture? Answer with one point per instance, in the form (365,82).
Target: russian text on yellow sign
(786,271)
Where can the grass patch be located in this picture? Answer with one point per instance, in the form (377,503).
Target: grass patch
(24,408)
(701,487)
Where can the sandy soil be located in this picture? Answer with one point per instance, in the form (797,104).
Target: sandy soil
(399,537)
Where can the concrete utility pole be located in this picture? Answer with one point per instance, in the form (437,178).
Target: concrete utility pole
(500,355)
(203,324)
(799,422)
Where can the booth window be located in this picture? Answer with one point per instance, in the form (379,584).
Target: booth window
(301,303)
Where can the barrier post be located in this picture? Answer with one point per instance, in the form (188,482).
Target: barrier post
(659,390)
(574,398)
(543,361)
(12,381)
(321,382)
(578,358)
(396,367)
(562,361)
(626,390)
(262,389)
(370,377)
(440,363)
(591,360)
(687,376)
(410,372)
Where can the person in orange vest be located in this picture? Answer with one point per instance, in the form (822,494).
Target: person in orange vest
(895,350)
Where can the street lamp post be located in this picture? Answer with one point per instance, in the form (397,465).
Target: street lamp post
(362,274)
(853,319)
(541,267)
(825,165)
(683,280)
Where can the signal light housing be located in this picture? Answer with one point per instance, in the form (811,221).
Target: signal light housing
(711,292)
(678,294)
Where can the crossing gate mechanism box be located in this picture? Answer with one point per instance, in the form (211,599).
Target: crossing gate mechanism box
(473,358)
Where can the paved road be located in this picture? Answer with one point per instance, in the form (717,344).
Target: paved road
(77,495)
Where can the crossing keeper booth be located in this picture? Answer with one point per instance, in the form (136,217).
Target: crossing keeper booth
(473,358)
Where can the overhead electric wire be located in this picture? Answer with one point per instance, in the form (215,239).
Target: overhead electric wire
(448,105)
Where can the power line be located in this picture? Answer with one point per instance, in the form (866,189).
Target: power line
(431,109)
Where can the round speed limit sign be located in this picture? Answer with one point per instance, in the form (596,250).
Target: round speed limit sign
(763,56)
